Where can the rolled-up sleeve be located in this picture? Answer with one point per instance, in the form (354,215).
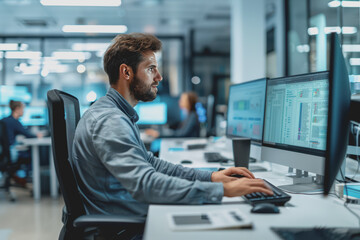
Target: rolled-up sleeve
(149,180)
(177,170)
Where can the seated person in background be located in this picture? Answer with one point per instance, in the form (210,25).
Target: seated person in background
(116,174)
(14,128)
(190,126)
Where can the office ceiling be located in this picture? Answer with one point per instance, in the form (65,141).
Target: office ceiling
(161,17)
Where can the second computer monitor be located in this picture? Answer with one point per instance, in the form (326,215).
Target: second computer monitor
(296,121)
(246,107)
(151,113)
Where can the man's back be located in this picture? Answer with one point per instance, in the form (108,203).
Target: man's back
(102,192)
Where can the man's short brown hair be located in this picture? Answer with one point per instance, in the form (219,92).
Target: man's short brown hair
(127,49)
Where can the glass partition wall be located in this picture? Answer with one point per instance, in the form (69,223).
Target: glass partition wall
(307,27)
(74,65)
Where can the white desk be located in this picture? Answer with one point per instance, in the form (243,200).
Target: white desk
(35,143)
(301,211)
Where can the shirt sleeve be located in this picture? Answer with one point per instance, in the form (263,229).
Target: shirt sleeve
(178,170)
(19,129)
(118,148)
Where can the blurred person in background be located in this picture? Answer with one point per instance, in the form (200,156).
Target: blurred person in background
(15,128)
(190,126)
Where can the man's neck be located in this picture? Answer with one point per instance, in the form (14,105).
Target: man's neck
(125,93)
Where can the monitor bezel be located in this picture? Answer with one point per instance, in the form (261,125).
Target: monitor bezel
(253,140)
(286,147)
(338,112)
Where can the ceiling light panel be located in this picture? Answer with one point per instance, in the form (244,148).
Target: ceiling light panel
(78,3)
(94,28)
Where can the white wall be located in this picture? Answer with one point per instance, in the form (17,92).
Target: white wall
(248,40)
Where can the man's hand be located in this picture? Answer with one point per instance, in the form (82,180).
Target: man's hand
(245,186)
(224,176)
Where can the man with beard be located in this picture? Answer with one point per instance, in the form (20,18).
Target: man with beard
(117,175)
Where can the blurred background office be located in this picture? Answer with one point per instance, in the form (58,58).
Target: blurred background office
(207,46)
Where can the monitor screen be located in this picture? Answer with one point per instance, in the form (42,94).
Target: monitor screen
(16,93)
(151,113)
(34,116)
(296,113)
(246,107)
(4,112)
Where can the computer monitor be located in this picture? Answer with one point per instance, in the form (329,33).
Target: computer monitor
(339,108)
(34,116)
(16,93)
(4,112)
(151,113)
(295,125)
(245,115)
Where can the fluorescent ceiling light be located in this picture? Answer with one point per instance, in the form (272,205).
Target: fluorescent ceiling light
(334,4)
(303,48)
(13,46)
(94,28)
(351,48)
(71,55)
(350,4)
(313,31)
(349,30)
(88,3)
(21,55)
(355,61)
(328,30)
(90,46)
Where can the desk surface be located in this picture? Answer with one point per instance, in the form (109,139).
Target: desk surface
(36,141)
(302,210)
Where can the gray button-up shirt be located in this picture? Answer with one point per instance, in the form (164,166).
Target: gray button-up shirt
(117,175)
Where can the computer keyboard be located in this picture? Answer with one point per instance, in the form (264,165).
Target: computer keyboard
(279,198)
(317,233)
(214,157)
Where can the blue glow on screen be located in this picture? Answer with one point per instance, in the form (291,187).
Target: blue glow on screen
(34,116)
(152,113)
(16,93)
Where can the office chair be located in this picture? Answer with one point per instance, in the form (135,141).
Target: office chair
(5,161)
(64,115)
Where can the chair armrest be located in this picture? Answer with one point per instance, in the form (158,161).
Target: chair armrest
(97,220)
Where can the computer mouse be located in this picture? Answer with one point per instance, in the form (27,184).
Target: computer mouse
(186,161)
(265,208)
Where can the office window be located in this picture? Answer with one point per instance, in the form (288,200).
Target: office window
(309,23)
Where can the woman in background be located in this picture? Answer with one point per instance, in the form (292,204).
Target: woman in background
(13,125)
(190,126)
(14,128)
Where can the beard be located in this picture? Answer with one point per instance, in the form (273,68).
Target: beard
(141,91)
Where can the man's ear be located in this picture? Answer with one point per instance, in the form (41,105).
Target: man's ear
(125,72)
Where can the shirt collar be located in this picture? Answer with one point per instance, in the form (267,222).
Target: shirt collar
(122,104)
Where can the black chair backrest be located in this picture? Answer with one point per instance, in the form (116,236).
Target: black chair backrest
(4,147)
(64,114)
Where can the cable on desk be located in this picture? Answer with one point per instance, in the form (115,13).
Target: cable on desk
(300,193)
(346,199)
(357,153)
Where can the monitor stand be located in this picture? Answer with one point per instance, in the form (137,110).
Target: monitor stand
(303,183)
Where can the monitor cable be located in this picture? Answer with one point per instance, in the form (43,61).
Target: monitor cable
(357,128)
(346,199)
